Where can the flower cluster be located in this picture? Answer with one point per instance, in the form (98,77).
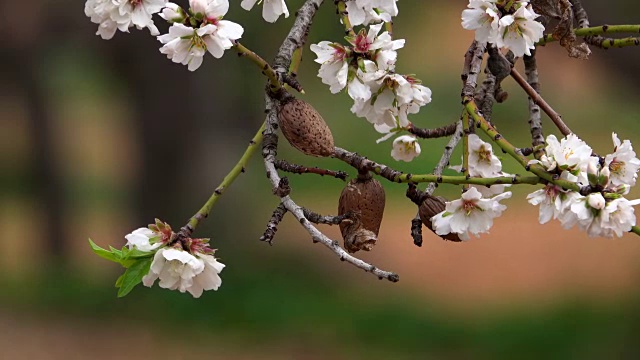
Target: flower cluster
(366,69)
(603,211)
(156,252)
(191,35)
(187,265)
(365,12)
(479,205)
(505,24)
(113,15)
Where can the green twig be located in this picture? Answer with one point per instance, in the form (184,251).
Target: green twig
(238,169)
(598,30)
(267,70)
(344,15)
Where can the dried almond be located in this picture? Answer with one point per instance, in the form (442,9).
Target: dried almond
(305,129)
(365,199)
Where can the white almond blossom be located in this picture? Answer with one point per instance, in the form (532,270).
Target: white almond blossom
(623,163)
(621,217)
(482,161)
(143,239)
(405,148)
(364,12)
(519,32)
(334,68)
(482,16)
(469,215)
(552,201)
(180,270)
(271,9)
(138,13)
(364,16)
(187,45)
(99,11)
(570,155)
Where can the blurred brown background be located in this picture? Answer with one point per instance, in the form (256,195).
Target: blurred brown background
(100,137)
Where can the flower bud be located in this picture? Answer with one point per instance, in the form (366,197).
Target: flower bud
(173,13)
(596,201)
(603,179)
(592,173)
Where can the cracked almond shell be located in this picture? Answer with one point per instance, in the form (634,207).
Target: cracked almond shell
(305,129)
(366,200)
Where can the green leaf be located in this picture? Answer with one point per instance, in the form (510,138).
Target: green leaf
(103,253)
(133,276)
(136,254)
(119,281)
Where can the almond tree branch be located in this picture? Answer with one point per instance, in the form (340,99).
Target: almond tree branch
(272,226)
(537,99)
(447,130)
(535,120)
(296,37)
(299,169)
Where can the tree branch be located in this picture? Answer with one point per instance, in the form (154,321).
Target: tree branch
(537,99)
(299,169)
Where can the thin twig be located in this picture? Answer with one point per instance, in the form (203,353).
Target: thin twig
(447,130)
(299,169)
(535,119)
(327,220)
(272,226)
(537,99)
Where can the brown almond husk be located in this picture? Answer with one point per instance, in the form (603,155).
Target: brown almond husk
(431,206)
(365,198)
(305,129)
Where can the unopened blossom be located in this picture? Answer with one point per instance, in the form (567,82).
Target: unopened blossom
(552,202)
(471,214)
(183,271)
(405,148)
(172,13)
(334,68)
(623,163)
(519,32)
(271,9)
(144,239)
(482,16)
(482,161)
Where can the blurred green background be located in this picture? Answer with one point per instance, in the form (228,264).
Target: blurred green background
(98,138)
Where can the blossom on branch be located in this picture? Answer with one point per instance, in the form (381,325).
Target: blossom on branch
(482,16)
(623,163)
(180,270)
(509,25)
(405,148)
(271,9)
(365,12)
(187,45)
(112,15)
(334,67)
(470,214)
